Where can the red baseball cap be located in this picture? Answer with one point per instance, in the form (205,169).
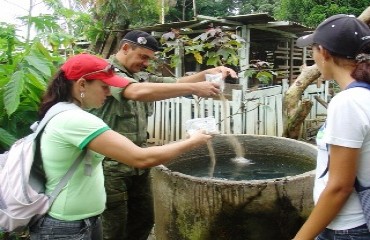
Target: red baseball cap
(90,67)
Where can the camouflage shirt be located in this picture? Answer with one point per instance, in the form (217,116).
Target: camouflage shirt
(127,117)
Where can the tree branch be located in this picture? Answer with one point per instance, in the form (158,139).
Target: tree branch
(365,16)
(295,110)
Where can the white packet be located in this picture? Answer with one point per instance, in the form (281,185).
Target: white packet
(208,124)
(216,78)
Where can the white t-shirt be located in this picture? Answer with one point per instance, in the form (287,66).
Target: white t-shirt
(348,125)
(62,141)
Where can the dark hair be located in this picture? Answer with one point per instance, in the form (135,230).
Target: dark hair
(59,90)
(362,70)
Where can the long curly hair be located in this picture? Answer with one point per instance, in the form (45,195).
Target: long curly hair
(59,90)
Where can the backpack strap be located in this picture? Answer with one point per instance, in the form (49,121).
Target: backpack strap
(63,182)
(358,84)
(38,127)
(327,166)
(53,111)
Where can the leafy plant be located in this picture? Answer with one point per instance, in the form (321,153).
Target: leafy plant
(214,47)
(23,81)
(312,12)
(261,71)
(27,65)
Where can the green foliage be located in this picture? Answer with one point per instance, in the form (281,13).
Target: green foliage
(260,71)
(13,236)
(312,12)
(28,77)
(216,8)
(214,47)
(258,6)
(125,13)
(8,42)
(219,8)
(27,66)
(23,82)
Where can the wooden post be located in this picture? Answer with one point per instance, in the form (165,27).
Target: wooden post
(291,57)
(194,9)
(244,57)
(162,12)
(179,51)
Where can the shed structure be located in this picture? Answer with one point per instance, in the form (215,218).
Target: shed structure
(266,40)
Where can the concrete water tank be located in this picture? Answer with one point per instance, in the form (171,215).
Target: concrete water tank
(236,206)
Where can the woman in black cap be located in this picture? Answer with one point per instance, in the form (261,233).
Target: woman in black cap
(341,50)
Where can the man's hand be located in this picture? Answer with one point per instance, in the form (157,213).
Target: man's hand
(224,70)
(206,89)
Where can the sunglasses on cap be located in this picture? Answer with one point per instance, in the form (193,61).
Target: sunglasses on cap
(108,69)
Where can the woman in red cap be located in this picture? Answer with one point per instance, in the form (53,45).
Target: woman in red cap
(341,50)
(84,81)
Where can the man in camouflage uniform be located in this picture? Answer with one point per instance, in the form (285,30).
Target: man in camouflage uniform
(129,211)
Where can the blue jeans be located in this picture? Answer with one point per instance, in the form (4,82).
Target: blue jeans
(357,233)
(50,228)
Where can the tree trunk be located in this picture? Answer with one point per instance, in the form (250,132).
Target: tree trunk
(296,109)
(195,9)
(183,9)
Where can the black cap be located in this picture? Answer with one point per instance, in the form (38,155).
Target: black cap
(341,34)
(142,39)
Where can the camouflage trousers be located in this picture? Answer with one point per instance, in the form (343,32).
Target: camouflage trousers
(129,213)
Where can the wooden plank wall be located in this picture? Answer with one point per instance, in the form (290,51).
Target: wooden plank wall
(289,67)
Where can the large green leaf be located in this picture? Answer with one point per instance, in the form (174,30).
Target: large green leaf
(213,61)
(6,139)
(39,50)
(32,95)
(264,76)
(40,64)
(36,80)
(13,90)
(225,53)
(198,47)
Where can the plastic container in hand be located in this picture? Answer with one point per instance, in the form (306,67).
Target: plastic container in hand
(207,124)
(216,78)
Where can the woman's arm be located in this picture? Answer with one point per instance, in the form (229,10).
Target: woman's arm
(342,174)
(120,148)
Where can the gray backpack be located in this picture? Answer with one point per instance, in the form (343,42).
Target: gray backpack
(22,197)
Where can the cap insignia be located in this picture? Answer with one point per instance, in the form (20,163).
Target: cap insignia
(141,40)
